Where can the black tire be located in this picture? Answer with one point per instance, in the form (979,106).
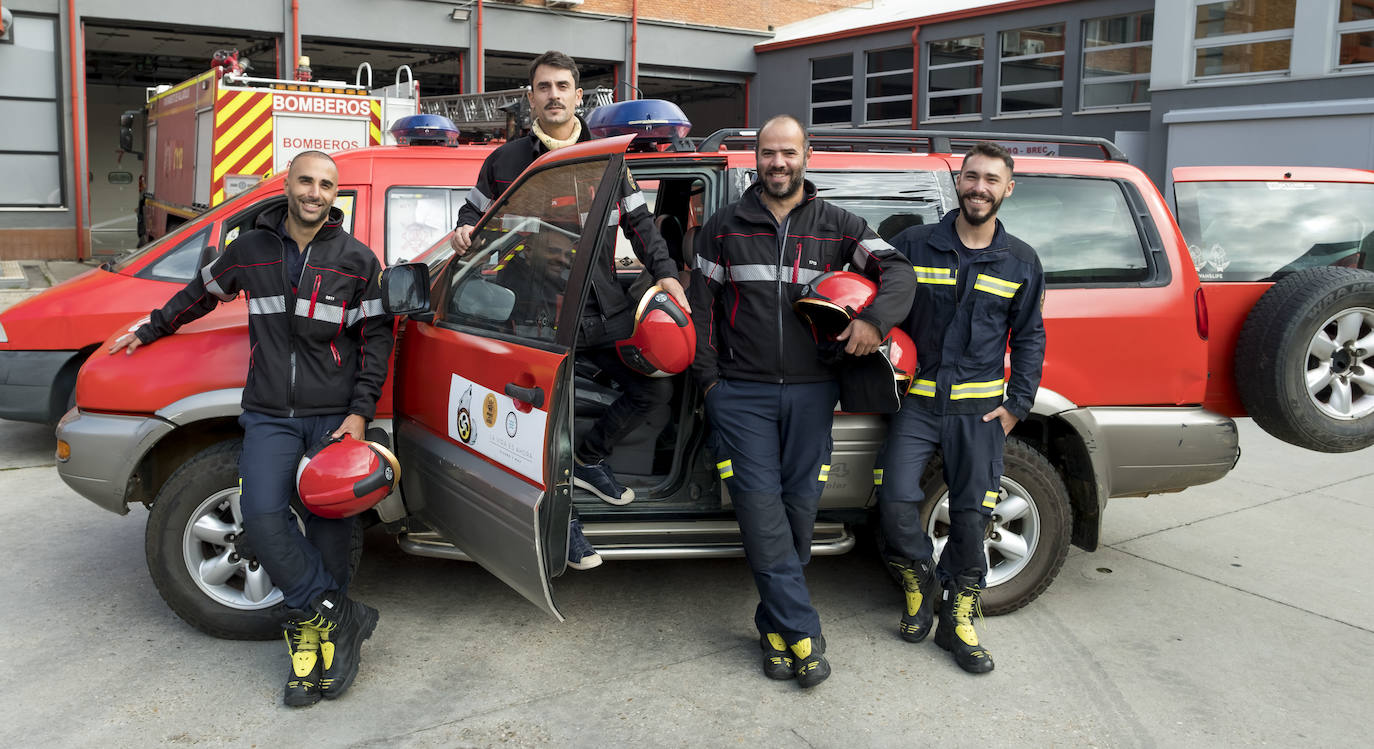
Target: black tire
(185,496)
(1047,530)
(1272,359)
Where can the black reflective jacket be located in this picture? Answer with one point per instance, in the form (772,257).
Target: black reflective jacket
(961,344)
(322,349)
(750,270)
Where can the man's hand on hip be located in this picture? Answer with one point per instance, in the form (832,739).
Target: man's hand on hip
(1002,414)
(862,336)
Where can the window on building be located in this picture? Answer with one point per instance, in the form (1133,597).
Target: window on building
(31,155)
(1116,60)
(954,78)
(1242,37)
(832,90)
(1032,70)
(887,86)
(1355,33)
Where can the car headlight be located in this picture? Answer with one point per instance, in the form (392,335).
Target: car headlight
(3,338)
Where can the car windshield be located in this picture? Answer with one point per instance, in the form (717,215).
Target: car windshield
(1262,231)
(178,234)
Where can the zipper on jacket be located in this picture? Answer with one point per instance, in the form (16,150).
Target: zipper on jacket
(291,322)
(782,251)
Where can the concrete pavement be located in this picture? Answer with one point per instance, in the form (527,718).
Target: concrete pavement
(1223,615)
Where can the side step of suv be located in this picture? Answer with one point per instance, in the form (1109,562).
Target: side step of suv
(676,540)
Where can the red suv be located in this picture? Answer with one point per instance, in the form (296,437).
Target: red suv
(486,405)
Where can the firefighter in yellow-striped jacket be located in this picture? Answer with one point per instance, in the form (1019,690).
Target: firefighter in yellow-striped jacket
(978,289)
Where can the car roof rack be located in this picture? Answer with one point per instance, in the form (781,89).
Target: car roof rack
(929,141)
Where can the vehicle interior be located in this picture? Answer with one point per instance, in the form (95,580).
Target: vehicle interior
(657,459)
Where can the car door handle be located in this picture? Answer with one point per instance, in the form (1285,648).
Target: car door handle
(533,396)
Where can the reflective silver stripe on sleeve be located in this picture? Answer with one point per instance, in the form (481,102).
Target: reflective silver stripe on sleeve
(324,312)
(807,275)
(713,271)
(613,217)
(868,247)
(632,201)
(478,200)
(369,308)
(266,305)
(211,285)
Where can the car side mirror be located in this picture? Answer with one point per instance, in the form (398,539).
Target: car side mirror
(405,289)
(485,300)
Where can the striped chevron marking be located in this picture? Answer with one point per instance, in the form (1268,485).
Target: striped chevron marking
(243,137)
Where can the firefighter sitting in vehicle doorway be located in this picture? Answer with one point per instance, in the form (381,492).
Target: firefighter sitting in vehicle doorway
(320,347)
(608,315)
(769,396)
(978,287)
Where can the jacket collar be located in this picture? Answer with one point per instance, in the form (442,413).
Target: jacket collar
(751,207)
(945,237)
(274,219)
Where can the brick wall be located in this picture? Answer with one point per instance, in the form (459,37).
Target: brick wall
(37,244)
(739,14)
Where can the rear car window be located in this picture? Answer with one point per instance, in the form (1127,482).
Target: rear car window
(1262,231)
(888,201)
(416,217)
(1082,228)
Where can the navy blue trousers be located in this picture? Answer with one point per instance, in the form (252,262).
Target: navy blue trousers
(972,471)
(772,446)
(305,565)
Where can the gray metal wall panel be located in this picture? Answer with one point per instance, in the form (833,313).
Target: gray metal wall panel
(529,32)
(391,21)
(1303,145)
(686,47)
(247,15)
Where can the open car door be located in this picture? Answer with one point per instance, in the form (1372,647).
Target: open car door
(483,402)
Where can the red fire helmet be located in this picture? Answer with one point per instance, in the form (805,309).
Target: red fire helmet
(664,341)
(341,478)
(833,299)
(900,351)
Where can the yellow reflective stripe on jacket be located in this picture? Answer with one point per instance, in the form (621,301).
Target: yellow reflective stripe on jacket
(726,469)
(966,390)
(825,472)
(923,387)
(877,477)
(994,285)
(990,499)
(942,276)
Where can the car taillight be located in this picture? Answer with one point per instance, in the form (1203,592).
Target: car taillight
(1200,308)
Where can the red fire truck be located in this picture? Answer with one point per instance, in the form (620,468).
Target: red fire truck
(220,133)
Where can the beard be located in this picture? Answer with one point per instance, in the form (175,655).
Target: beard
(794,183)
(293,205)
(977,220)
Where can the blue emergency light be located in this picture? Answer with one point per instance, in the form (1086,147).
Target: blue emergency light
(425,130)
(652,120)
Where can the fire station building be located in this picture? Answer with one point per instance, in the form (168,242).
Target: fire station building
(1173,82)
(70,68)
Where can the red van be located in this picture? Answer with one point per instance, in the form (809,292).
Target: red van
(397,199)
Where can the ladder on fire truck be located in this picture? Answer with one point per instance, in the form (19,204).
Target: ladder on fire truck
(490,110)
